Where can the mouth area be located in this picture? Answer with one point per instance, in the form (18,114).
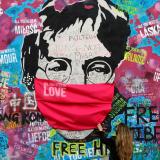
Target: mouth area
(73,110)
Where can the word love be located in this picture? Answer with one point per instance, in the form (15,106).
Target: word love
(54,91)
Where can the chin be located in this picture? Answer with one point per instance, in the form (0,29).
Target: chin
(74,135)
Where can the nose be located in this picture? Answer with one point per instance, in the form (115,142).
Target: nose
(77,75)
(76,79)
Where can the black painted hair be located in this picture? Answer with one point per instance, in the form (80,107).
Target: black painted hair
(112,33)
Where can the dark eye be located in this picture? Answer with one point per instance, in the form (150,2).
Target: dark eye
(99,72)
(58,69)
(58,65)
(97,68)
(54,69)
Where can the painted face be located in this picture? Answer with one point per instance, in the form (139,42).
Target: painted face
(76,57)
(70,47)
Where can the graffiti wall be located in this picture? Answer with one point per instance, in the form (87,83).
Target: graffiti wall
(49,48)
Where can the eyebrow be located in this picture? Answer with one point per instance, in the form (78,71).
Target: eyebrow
(65,59)
(88,61)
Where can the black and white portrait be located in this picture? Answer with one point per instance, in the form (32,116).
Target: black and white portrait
(82,44)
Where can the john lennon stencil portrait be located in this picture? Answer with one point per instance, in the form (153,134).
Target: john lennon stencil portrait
(82,43)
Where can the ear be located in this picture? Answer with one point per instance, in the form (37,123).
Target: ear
(29,60)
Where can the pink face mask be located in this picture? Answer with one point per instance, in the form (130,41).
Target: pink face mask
(73,106)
